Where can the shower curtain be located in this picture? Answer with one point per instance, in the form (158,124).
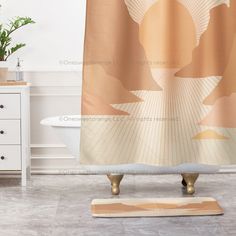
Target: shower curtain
(159,82)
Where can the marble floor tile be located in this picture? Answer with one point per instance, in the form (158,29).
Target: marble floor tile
(59,205)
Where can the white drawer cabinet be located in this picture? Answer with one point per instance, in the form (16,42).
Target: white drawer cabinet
(9,106)
(10,157)
(15,130)
(10,132)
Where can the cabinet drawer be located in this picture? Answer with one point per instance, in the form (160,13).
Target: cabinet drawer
(10,132)
(10,157)
(9,106)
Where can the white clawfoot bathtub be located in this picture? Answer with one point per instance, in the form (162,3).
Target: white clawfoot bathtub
(68,128)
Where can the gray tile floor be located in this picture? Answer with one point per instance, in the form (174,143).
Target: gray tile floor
(60,206)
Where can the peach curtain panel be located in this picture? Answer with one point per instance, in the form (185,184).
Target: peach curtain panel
(159,82)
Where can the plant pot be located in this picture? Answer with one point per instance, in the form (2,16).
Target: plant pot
(3,71)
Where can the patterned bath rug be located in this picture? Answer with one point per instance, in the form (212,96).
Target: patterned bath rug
(155,207)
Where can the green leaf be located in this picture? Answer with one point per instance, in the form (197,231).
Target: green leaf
(5,39)
(18,46)
(14,49)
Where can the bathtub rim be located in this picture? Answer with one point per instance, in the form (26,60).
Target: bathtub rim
(73,121)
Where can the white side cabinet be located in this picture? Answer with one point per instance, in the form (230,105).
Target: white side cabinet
(15,130)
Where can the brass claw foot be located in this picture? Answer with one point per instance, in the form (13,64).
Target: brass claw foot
(115,183)
(189,181)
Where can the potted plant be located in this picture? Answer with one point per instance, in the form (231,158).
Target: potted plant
(6,47)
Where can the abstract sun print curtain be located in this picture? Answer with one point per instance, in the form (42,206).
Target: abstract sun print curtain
(159,82)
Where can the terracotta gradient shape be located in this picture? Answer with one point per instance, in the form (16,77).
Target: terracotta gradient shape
(93,105)
(113,43)
(106,87)
(167,32)
(227,85)
(211,57)
(223,113)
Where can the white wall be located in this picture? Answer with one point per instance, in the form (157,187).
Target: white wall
(58,35)
(55,42)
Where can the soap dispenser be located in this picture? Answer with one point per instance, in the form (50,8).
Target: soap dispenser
(19,72)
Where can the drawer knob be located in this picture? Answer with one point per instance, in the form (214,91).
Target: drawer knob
(1,106)
(1,132)
(2,157)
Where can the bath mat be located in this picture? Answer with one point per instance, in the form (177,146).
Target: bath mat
(155,207)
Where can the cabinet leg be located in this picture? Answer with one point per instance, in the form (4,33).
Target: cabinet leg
(115,183)
(28,173)
(23,178)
